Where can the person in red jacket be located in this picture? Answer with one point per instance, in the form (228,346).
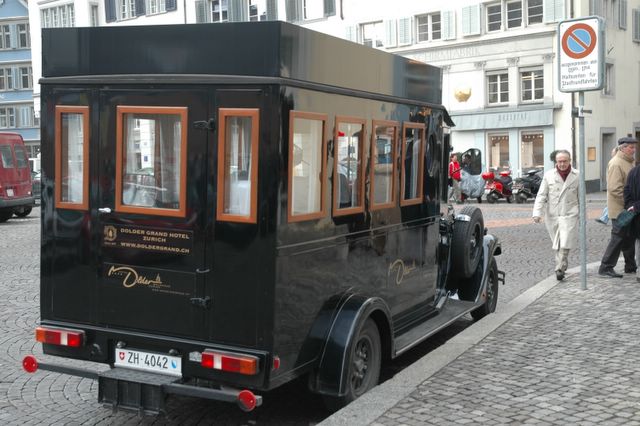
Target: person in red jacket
(454,177)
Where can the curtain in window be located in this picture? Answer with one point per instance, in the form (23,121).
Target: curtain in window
(110,10)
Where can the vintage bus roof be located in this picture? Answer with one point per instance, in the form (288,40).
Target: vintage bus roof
(251,51)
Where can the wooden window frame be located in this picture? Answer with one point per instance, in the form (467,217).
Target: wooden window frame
(323,205)
(394,175)
(423,129)
(84,111)
(351,210)
(121,110)
(254,114)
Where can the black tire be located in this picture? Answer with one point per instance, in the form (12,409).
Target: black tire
(518,199)
(5,215)
(509,198)
(493,285)
(365,359)
(491,199)
(479,200)
(23,211)
(522,198)
(466,244)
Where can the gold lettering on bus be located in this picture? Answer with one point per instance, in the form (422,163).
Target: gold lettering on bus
(131,277)
(402,270)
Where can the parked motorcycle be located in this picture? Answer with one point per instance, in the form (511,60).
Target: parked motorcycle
(497,187)
(527,186)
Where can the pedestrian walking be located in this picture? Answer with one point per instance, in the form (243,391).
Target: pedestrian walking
(604,217)
(454,177)
(621,238)
(557,201)
(632,203)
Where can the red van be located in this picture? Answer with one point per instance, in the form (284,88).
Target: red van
(16,195)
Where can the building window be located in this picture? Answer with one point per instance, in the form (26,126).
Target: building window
(312,9)
(126,9)
(531,85)
(5,37)
(534,12)
(635,23)
(372,34)
(7,117)
(531,150)
(6,79)
(608,84)
(428,27)
(499,151)
(24,38)
(498,88)
(57,16)
(219,11)
(494,17)
(514,14)
(26,77)
(257,10)
(155,6)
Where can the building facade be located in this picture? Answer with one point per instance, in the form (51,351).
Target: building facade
(16,75)
(499,57)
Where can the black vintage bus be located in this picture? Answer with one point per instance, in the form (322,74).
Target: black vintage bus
(228,207)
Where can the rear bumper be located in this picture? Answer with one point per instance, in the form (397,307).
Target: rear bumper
(17,202)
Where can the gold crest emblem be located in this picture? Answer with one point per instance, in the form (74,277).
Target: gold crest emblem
(110,233)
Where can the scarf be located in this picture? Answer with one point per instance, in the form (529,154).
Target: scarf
(564,174)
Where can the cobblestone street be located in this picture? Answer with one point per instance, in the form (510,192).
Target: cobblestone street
(49,398)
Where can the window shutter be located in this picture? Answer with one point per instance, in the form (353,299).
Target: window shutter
(110,10)
(293,11)
(405,31)
(329,7)
(17,81)
(471,20)
(272,10)
(351,33)
(622,14)
(635,21)
(390,33)
(13,36)
(140,7)
(171,5)
(201,12)
(238,10)
(559,10)
(448,25)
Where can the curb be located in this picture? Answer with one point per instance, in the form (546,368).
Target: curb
(377,401)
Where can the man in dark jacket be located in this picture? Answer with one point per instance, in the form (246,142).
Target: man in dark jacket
(632,203)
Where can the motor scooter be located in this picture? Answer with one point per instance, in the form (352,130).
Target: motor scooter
(527,186)
(497,187)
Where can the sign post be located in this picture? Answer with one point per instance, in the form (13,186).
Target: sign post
(581,68)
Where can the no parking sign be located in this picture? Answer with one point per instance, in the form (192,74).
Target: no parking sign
(581,54)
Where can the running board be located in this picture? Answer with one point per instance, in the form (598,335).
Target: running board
(453,310)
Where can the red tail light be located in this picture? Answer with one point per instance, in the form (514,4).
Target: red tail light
(60,336)
(230,362)
(30,364)
(247,400)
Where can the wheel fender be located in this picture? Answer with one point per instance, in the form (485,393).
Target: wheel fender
(491,247)
(332,370)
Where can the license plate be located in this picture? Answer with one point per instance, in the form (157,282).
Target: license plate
(487,191)
(515,191)
(9,192)
(148,361)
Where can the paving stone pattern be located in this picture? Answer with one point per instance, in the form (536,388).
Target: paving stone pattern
(571,357)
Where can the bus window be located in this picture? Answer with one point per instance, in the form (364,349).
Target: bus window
(238,165)
(151,160)
(348,172)
(412,163)
(72,157)
(307,154)
(383,163)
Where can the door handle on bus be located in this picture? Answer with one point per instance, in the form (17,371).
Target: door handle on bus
(104,210)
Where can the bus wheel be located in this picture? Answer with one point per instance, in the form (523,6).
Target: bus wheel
(492,294)
(466,247)
(364,363)
(22,211)
(5,215)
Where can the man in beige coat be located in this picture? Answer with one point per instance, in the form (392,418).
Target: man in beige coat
(621,239)
(557,201)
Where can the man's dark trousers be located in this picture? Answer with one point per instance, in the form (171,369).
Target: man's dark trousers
(621,240)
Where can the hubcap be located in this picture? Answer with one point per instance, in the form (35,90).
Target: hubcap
(360,363)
